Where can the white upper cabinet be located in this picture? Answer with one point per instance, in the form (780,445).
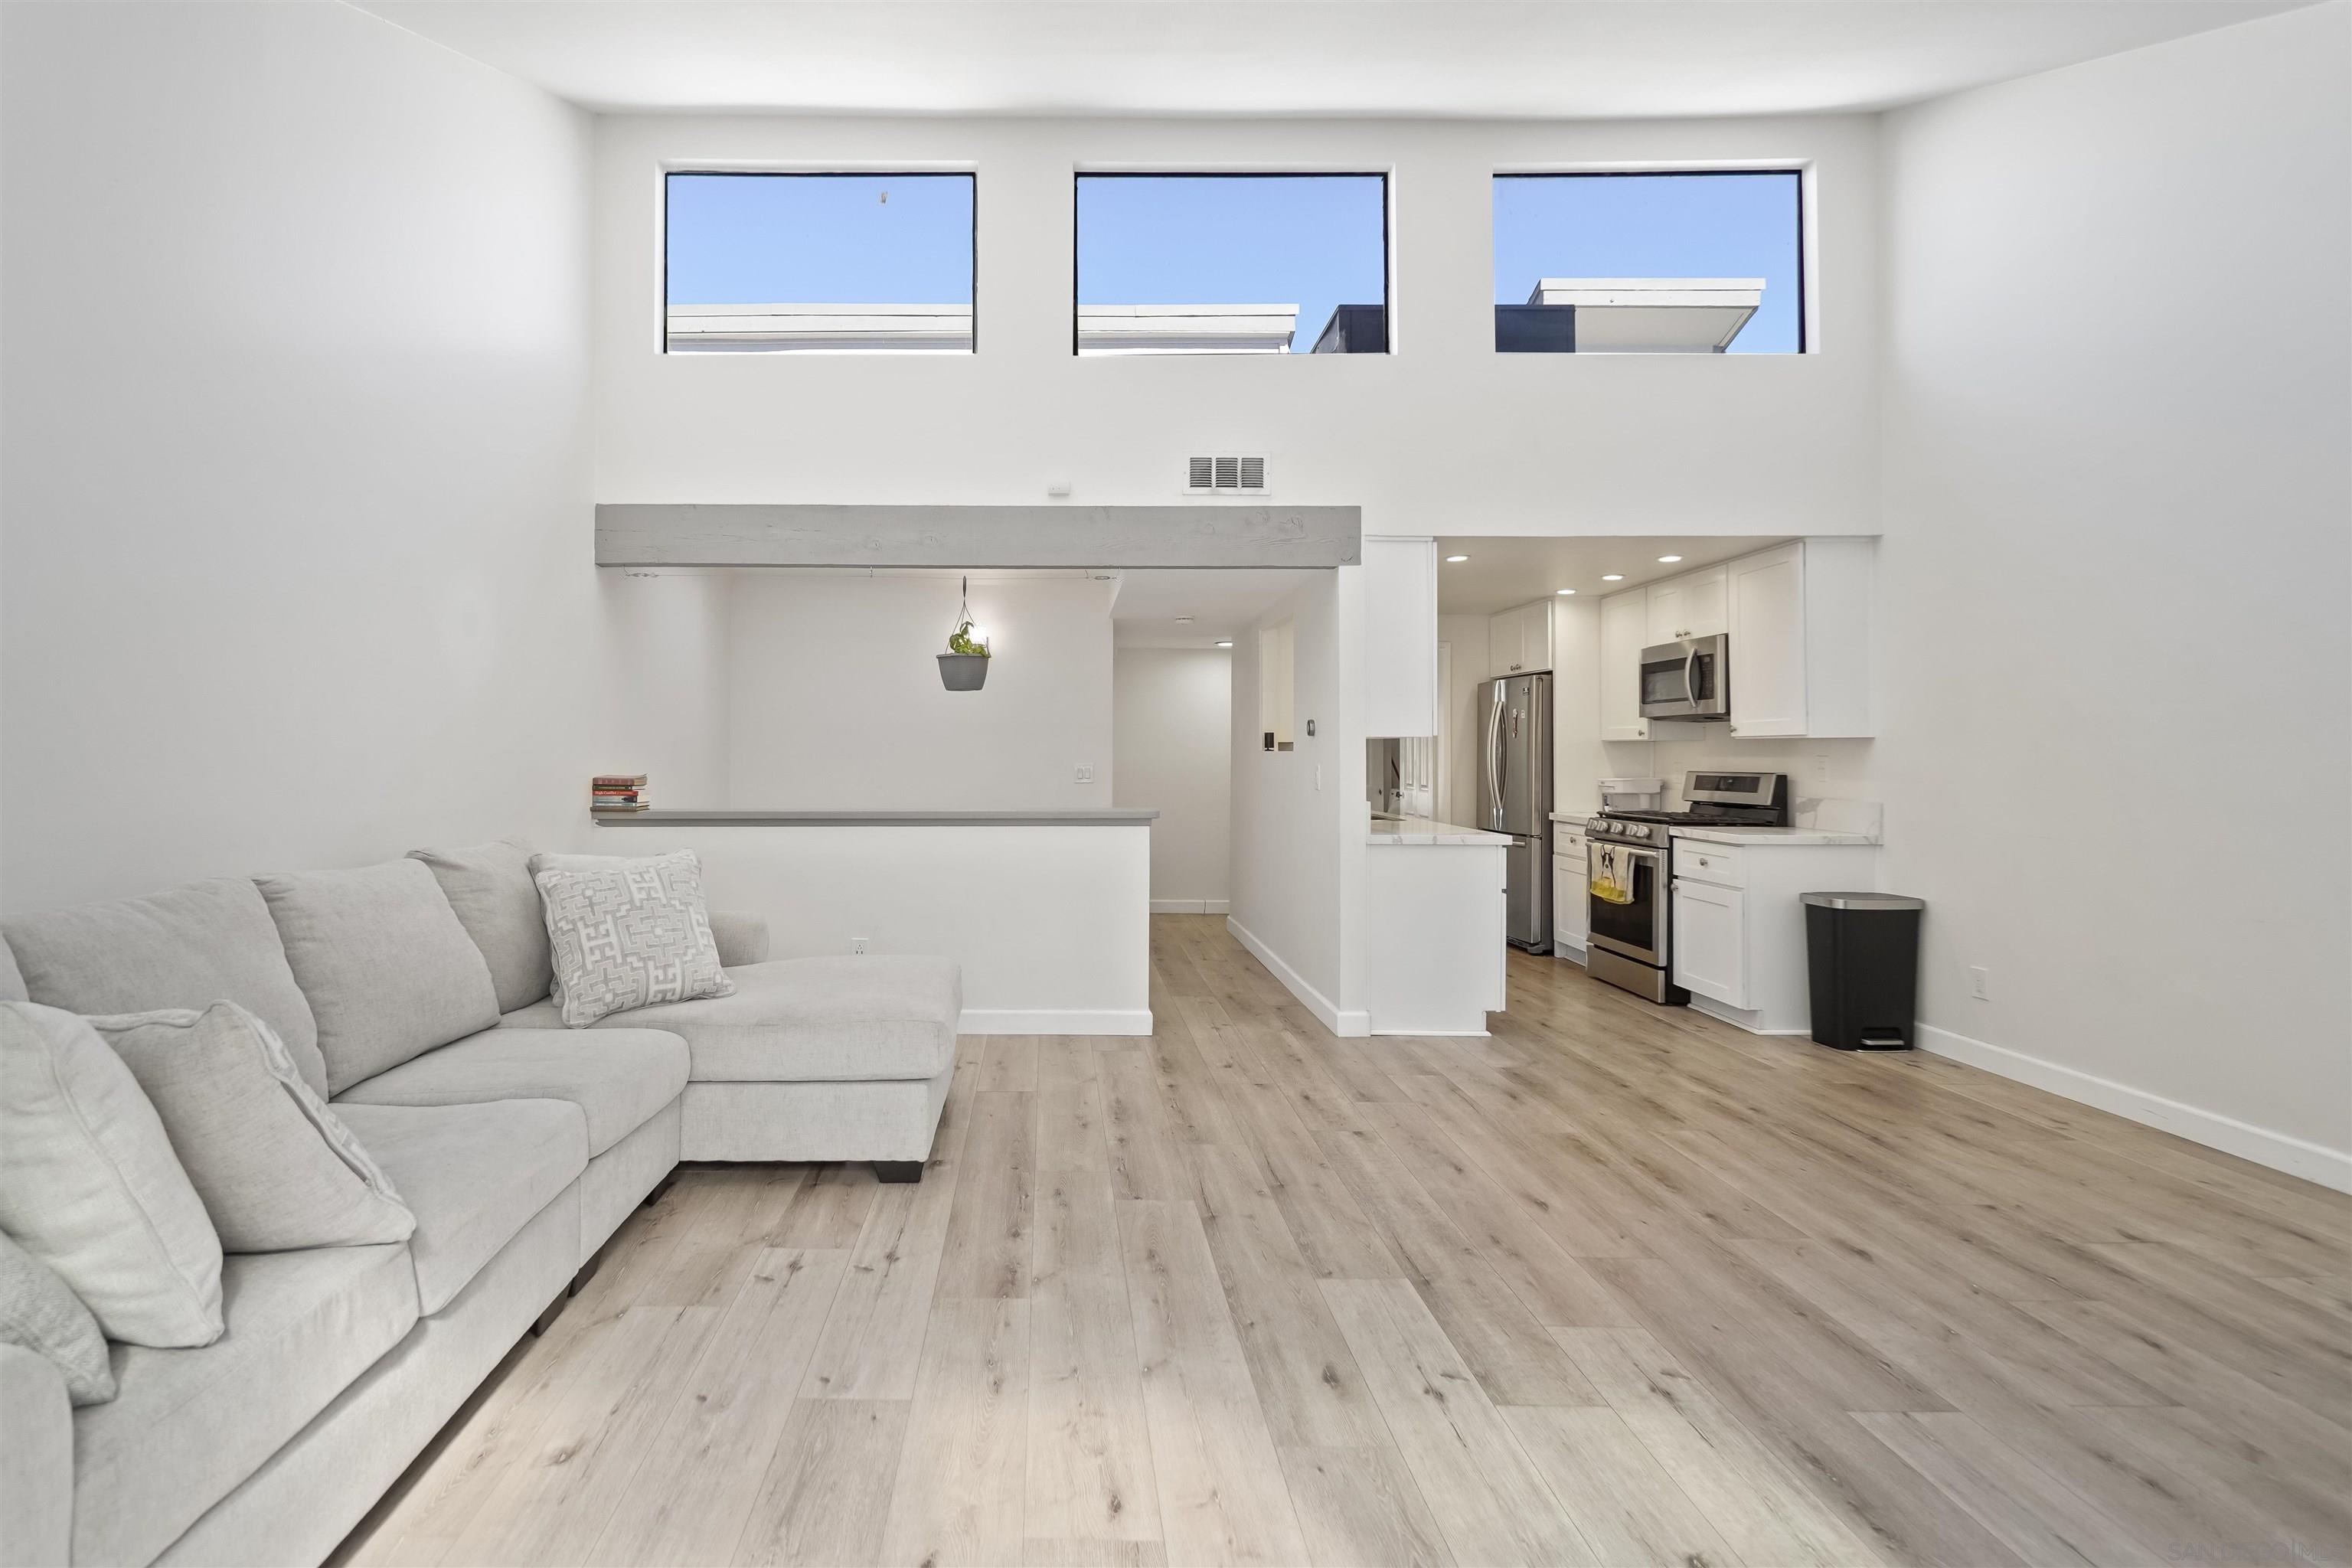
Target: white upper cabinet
(1799,619)
(1535,635)
(1692,605)
(1800,653)
(1400,637)
(1768,648)
(1520,640)
(1624,632)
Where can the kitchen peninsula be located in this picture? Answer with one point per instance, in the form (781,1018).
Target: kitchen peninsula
(1434,949)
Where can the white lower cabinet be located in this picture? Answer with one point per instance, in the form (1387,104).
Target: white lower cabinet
(1738,930)
(1711,926)
(1571,917)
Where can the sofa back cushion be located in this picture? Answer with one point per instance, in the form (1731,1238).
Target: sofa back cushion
(90,1184)
(389,972)
(186,947)
(490,888)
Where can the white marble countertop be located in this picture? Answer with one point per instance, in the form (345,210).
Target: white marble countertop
(1427,831)
(1772,835)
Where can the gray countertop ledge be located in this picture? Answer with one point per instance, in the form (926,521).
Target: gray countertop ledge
(1071,816)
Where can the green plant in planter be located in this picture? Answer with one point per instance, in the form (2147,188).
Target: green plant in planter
(960,641)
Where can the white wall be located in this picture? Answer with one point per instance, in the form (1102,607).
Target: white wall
(1467,635)
(1579,759)
(669,664)
(1445,436)
(1299,817)
(1051,925)
(2115,575)
(1172,745)
(834,699)
(297,548)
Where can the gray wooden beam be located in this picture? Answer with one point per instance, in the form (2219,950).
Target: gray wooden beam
(797,534)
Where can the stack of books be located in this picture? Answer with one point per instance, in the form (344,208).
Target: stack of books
(611,794)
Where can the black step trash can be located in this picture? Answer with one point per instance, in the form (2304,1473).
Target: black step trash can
(1863,950)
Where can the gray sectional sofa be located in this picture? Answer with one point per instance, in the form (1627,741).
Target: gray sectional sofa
(519,1145)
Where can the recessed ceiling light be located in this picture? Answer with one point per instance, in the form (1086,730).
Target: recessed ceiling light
(1567,591)
(1668,559)
(1612,577)
(1226,642)
(1454,558)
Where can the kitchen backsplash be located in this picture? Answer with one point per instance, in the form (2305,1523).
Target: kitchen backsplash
(1816,769)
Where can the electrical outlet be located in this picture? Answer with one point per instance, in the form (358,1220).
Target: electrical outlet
(857,944)
(1085,774)
(1979,983)
(1821,768)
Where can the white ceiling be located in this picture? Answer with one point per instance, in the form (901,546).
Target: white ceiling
(1502,573)
(1440,58)
(1221,603)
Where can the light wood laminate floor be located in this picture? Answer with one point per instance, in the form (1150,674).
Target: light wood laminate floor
(1618,1285)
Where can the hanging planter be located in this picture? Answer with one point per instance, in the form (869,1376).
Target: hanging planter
(964,666)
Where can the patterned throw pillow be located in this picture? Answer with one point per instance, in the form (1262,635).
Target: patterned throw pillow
(627,933)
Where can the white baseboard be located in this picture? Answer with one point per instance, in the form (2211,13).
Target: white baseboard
(2279,1151)
(1055,1021)
(1326,1012)
(1192,906)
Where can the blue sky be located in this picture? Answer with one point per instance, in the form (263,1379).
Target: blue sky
(821,239)
(1654,226)
(1312,240)
(1309,240)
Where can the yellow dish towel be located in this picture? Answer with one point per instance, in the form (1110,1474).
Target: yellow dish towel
(1613,875)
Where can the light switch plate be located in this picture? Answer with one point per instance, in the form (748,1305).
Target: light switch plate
(1085,774)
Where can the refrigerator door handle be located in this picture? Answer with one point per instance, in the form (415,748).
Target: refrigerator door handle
(1495,759)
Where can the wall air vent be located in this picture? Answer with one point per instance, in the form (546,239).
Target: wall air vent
(1224,476)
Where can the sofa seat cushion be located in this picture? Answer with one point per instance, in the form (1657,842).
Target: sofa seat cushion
(472,1174)
(809,1020)
(620,1078)
(186,1426)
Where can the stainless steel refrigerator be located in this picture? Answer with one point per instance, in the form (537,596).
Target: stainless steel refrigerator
(1515,795)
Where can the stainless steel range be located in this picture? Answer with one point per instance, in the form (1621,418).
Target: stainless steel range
(1630,875)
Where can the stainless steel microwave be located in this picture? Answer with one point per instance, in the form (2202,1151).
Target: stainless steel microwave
(1687,679)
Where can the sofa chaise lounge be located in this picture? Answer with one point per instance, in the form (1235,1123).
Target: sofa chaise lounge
(519,1145)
